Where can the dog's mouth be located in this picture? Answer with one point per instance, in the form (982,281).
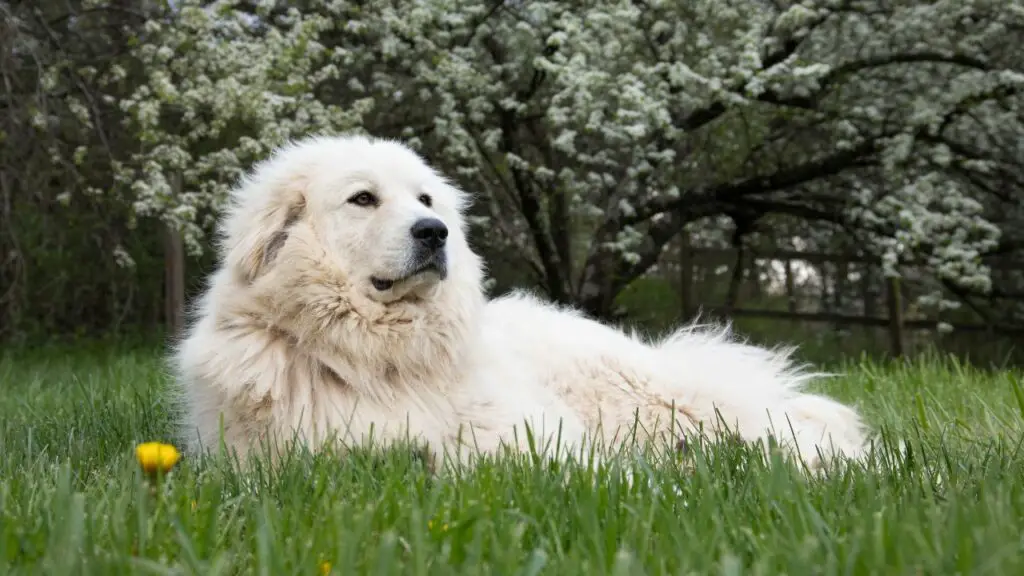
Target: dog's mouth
(435,265)
(382,284)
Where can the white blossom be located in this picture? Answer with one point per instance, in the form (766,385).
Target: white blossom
(620,114)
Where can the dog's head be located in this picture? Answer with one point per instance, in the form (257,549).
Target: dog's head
(373,210)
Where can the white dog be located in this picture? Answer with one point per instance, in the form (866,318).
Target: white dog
(348,306)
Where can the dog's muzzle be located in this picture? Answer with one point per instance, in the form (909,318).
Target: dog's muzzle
(429,236)
(425,262)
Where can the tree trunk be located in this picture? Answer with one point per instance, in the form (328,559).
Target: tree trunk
(174,281)
(596,296)
(174,275)
(10,258)
(556,275)
(560,222)
(606,274)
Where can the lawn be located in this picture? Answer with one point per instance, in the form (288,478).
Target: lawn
(72,499)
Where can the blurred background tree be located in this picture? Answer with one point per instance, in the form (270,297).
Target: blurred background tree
(832,170)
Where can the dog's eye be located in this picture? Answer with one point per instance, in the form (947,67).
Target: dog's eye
(426,200)
(364,199)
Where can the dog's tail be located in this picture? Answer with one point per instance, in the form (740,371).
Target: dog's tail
(752,392)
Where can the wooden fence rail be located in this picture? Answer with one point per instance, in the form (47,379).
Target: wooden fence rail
(691,258)
(854,320)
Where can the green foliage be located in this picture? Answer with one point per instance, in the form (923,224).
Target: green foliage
(65,281)
(73,501)
(651,304)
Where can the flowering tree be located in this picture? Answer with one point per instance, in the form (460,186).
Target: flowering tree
(598,130)
(152,110)
(58,135)
(221,90)
(594,132)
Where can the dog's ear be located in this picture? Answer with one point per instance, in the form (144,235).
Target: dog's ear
(255,235)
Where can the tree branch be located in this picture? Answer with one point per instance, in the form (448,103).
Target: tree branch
(785,178)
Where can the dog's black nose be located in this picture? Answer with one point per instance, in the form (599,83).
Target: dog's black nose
(430,232)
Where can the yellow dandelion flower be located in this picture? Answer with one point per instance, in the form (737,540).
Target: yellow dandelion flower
(156,457)
(325,567)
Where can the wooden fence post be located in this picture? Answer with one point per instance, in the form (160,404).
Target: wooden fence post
(686,296)
(790,287)
(174,273)
(895,316)
(739,266)
(867,290)
(840,285)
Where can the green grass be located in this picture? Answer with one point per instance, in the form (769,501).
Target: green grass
(72,500)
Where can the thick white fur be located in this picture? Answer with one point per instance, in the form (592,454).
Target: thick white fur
(292,339)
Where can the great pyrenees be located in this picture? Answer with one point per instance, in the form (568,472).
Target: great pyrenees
(348,306)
